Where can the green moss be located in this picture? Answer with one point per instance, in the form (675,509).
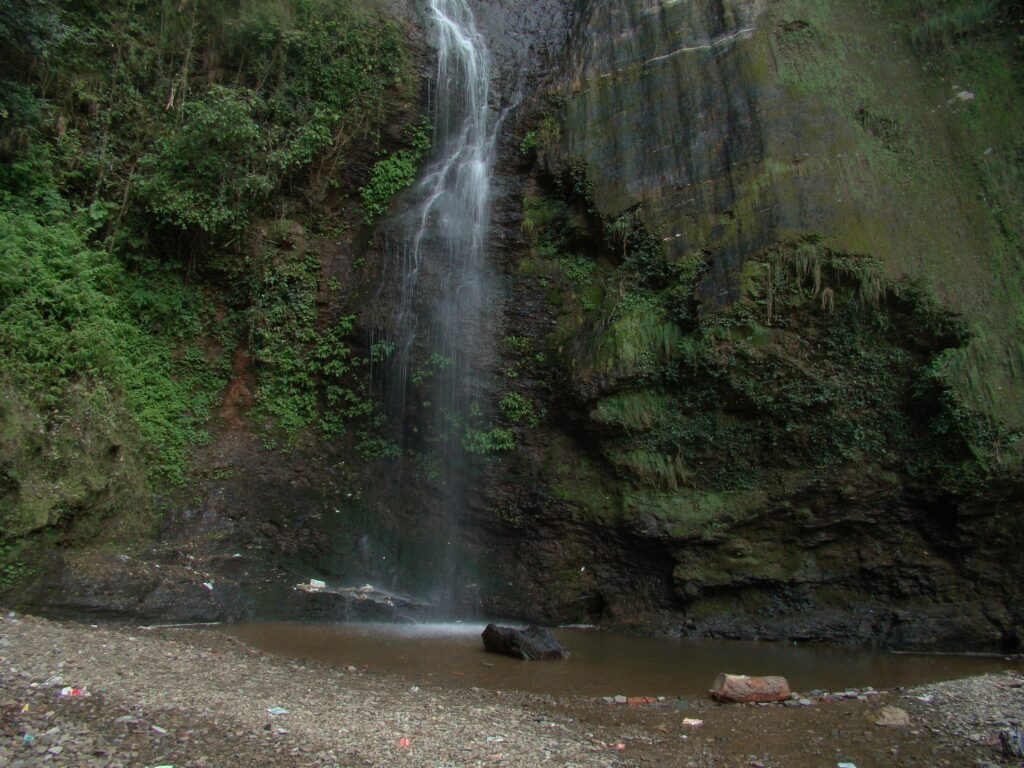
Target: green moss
(688,513)
(634,411)
(630,335)
(652,467)
(922,147)
(946,23)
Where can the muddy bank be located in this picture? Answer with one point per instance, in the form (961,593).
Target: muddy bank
(196,698)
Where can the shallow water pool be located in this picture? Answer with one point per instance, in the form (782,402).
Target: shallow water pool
(602,663)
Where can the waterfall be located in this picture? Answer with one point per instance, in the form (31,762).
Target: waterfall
(444,280)
(444,275)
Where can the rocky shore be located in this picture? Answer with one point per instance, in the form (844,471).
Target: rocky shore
(83,695)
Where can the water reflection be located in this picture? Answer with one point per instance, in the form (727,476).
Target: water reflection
(602,663)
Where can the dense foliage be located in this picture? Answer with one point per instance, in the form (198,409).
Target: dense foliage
(162,167)
(821,365)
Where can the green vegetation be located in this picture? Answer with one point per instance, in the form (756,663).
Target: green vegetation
(933,125)
(529,144)
(545,135)
(822,364)
(163,169)
(394,173)
(943,24)
(212,173)
(519,410)
(488,442)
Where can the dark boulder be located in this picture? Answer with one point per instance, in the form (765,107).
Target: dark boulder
(530,644)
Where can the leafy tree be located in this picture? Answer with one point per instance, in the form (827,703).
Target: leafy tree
(212,172)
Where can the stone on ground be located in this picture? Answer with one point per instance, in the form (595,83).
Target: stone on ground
(892,717)
(741,689)
(530,644)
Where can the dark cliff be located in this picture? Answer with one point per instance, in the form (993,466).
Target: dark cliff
(758,362)
(765,252)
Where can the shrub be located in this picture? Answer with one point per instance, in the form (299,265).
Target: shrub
(394,173)
(487,442)
(211,173)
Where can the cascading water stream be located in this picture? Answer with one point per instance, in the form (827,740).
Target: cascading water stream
(448,224)
(444,280)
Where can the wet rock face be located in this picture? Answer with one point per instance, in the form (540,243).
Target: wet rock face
(118,587)
(525,38)
(666,106)
(727,128)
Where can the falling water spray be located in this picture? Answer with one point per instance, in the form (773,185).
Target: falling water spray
(445,281)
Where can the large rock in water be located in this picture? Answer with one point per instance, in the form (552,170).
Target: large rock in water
(740,689)
(530,644)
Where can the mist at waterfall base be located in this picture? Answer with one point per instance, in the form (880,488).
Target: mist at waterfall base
(434,380)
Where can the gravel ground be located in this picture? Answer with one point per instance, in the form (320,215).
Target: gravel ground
(158,701)
(974,709)
(199,699)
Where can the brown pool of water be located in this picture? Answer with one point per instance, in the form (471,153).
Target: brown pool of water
(601,663)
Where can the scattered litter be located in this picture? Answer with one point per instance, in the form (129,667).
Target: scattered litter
(275,711)
(26,708)
(55,682)
(208,585)
(692,722)
(161,731)
(317,584)
(925,699)
(69,692)
(619,746)
(367,588)
(414,689)
(404,743)
(28,738)
(846,765)
(163,766)
(236,555)
(496,739)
